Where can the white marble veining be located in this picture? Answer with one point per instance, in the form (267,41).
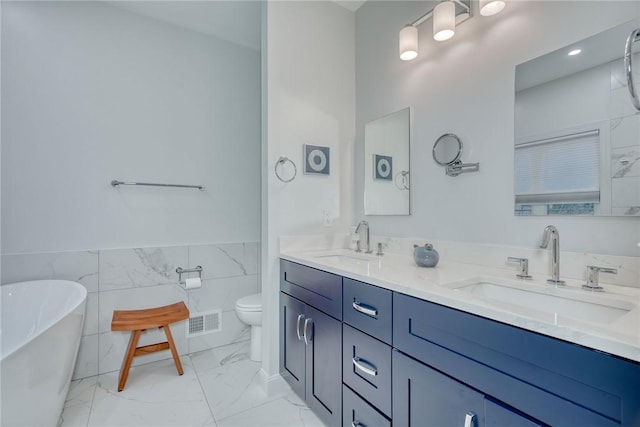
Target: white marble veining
(221,293)
(122,279)
(398,272)
(218,388)
(88,355)
(625,131)
(625,162)
(225,260)
(625,192)
(128,268)
(233,331)
(81,267)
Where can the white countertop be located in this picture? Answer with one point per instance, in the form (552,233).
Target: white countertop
(620,337)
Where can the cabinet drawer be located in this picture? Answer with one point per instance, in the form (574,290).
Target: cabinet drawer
(366,367)
(357,412)
(317,288)
(368,308)
(557,382)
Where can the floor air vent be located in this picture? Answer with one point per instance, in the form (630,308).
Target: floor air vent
(204,322)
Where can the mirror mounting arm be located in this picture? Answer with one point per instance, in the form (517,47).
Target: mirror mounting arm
(457,167)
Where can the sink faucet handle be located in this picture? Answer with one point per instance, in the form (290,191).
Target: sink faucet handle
(593,277)
(524,267)
(380,246)
(358,246)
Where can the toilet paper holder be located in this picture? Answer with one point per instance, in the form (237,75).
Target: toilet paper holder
(182,271)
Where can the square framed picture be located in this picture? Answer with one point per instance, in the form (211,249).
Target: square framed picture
(316,160)
(382,167)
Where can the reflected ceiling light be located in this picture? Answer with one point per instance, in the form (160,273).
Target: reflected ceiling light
(444,21)
(574,52)
(446,15)
(491,7)
(408,43)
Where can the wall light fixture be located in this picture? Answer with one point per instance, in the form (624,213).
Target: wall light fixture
(446,15)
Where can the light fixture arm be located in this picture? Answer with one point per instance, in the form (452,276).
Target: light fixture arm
(462,7)
(457,167)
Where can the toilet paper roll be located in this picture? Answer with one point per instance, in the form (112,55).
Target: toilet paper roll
(192,283)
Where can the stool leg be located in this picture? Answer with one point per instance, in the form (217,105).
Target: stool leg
(126,362)
(172,346)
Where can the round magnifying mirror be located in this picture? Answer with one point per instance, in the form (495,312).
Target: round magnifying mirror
(447,149)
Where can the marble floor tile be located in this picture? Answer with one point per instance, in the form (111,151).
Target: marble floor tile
(218,389)
(154,396)
(233,387)
(283,412)
(207,360)
(77,407)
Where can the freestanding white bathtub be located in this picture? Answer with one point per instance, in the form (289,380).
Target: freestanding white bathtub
(39,335)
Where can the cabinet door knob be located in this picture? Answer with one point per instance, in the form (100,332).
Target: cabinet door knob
(300,317)
(469,419)
(365,366)
(308,337)
(364,308)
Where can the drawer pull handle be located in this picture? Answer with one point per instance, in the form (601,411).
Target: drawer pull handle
(308,337)
(300,317)
(357,424)
(365,309)
(365,366)
(469,419)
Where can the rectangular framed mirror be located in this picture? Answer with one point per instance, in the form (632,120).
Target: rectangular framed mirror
(577,132)
(387,189)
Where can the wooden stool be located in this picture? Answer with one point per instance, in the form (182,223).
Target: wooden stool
(137,321)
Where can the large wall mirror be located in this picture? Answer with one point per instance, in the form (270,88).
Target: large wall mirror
(387,180)
(577,132)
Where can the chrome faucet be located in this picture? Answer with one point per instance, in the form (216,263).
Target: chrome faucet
(366,243)
(551,235)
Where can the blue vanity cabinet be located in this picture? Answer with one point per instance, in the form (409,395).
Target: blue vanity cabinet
(311,338)
(366,367)
(423,396)
(357,412)
(553,381)
(368,308)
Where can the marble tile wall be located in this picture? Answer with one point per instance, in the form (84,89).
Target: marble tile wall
(145,277)
(625,146)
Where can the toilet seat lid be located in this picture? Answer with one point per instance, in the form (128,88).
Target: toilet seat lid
(250,303)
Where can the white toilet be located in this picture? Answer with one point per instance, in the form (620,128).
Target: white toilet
(249,310)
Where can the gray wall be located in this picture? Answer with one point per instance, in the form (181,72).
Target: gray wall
(93,93)
(466,86)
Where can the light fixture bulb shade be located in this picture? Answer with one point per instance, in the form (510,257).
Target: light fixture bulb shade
(408,43)
(491,7)
(444,21)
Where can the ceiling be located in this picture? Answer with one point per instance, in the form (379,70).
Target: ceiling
(235,21)
(352,5)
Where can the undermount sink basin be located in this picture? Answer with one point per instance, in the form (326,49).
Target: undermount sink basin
(561,303)
(345,259)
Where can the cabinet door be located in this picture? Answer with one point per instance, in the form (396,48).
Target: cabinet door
(423,396)
(292,349)
(497,415)
(324,369)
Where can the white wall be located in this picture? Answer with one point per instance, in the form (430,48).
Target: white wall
(466,86)
(93,93)
(311,100)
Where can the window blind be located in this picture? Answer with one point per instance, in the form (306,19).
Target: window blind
(564,168)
